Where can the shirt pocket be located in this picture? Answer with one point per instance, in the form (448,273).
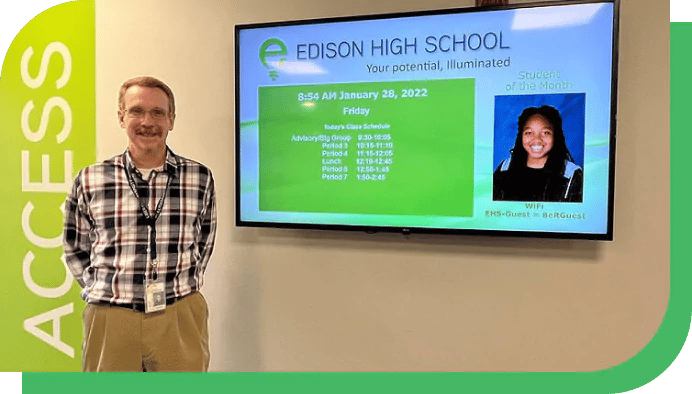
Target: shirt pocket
(114,227)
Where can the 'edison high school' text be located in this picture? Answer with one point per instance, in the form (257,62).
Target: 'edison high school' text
(402,46)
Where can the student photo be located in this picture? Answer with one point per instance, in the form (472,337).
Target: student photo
(539,166)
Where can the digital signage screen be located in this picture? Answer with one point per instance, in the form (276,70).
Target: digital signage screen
(495,120)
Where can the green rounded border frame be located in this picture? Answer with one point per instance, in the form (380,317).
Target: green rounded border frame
(649,363)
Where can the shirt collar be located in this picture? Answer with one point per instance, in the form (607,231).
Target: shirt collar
(170,165)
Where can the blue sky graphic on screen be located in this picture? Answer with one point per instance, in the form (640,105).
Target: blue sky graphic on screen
(397,122)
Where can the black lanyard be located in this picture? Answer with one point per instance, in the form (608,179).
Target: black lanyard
(149,219)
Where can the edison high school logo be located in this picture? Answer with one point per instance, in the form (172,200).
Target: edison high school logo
(272,55)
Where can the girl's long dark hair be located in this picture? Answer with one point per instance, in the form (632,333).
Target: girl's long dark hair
(557,155)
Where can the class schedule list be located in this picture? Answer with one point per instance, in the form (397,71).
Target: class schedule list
(391,148)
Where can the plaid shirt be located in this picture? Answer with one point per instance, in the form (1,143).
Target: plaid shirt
(106,236)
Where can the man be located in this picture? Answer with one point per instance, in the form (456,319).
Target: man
(139,231)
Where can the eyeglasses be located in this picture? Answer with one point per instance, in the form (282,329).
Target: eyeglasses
(139,113)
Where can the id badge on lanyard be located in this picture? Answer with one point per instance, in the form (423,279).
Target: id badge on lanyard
(155,287)
(155,290)
(155,296)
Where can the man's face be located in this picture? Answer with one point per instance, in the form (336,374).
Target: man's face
(146,119)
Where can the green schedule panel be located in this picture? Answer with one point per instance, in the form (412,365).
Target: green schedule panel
(391,148)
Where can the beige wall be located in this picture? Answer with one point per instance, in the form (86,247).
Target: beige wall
(310,300)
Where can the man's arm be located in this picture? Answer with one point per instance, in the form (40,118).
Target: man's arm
(76,229)
(207,234)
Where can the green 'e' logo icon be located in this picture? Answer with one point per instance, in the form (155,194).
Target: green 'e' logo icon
(266,52)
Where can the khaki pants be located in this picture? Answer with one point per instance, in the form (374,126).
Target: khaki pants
(120,339)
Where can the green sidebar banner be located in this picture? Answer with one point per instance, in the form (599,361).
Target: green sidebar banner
(47,112)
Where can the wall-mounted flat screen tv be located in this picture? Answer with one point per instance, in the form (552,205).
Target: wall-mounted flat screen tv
(495,121)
